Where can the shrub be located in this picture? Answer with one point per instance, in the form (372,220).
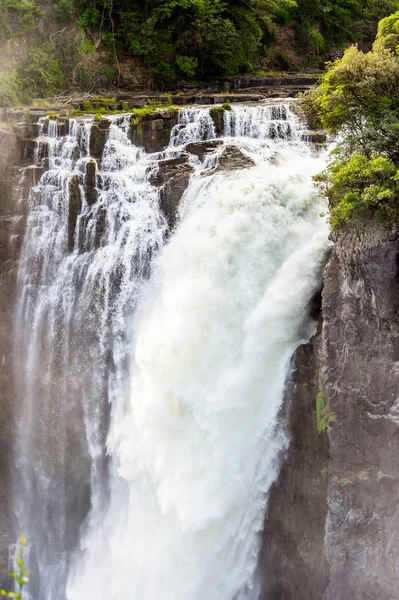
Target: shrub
(20,575)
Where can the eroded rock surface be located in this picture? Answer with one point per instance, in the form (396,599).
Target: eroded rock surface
(333,518)
(173,177)
(232,158)
(152,131)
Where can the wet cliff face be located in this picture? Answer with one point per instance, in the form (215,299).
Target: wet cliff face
(333,515)
(15,182)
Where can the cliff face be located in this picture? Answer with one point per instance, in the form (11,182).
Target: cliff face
(333,517)
(13,193)
(331,532)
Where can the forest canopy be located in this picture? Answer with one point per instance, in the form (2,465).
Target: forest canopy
(50,46)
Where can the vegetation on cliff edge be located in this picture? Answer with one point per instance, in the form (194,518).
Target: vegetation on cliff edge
(358,101)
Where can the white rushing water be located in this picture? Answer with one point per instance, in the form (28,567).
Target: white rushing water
(172,355)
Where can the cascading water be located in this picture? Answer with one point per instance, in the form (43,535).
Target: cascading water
(72,335)
(175,354)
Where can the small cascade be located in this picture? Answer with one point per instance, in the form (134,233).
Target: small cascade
(275,121)
(150,374)
(82,265)
(195,124)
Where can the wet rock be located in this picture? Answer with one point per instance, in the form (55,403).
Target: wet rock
(201,149)
(152,132)
(63,126)
(232,158)
(75,206)
(98,137)
(218,121)
(90,182)
(293,561)
(331,529)
(12,202)
(42,148)
(27,148)
(26,130)
(315,137)
(173,177)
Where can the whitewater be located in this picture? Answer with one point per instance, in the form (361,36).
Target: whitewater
(171,351)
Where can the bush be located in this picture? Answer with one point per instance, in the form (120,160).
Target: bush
(40,74)
(358,101)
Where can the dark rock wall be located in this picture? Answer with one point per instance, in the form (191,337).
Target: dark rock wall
(14,187)
(333,520)
(292,563)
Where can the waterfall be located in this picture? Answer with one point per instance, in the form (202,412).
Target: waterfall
(151,368)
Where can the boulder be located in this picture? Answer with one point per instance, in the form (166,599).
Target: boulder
(152,131)
(172,176)
(98,136)
(232,158)
(201,149)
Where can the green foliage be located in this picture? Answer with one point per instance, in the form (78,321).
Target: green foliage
(9,88)
(358,100)
(388,34)
(361,188)
(221,108)
(317,43)
(187,65)
(322,422)
(186,37)
(20,575)
(340,21)
(40,74)
(18,17)
(64,10)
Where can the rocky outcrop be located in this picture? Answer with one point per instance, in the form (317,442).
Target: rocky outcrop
(172,176)
(293,563)
(14,183)
(232,158)
(98,136)
(152,131)
(202,149)
(333,518)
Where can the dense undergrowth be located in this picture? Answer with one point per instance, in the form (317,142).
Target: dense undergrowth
(53,46)
(358,101)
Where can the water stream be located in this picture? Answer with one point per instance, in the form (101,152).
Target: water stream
(151,367)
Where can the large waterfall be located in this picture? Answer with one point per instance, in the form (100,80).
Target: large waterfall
(151,364)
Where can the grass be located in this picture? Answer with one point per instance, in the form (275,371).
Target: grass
(220,109)
(324,416)
(109,106)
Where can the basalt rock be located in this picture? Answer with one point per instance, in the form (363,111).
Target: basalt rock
(172,176)
(315,137)
(333,517)
(75,206)
(201,149)
(218,121)
(152,131)
(14,188)
(26,130)
(90,187)
(232,158)
(98,136)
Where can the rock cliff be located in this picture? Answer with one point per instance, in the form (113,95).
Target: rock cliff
(331,531)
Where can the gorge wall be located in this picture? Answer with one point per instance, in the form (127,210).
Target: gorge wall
(330,531)
(17,176)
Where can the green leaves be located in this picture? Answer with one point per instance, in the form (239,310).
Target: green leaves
(19,576)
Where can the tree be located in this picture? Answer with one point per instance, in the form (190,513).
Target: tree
(358,100)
